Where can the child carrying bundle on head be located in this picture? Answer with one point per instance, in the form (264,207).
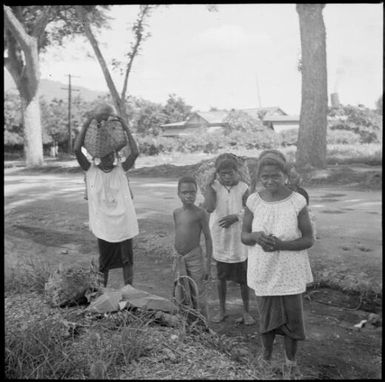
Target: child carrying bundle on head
(225,198)
(112,216)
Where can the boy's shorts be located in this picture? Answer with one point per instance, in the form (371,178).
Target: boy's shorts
(236,272)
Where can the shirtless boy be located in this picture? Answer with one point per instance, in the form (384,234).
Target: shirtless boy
(190,221)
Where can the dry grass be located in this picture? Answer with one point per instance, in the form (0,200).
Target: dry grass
(29,274)
(42,342)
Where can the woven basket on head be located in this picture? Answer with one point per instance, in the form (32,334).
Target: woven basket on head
(104,137)
(206,170)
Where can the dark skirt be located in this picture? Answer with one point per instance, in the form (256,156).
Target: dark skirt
(236,272)
(115,255)
(282,315)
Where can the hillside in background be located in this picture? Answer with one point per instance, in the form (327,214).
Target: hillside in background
(53,89)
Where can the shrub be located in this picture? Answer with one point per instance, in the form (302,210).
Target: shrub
(150,145)
(265,139)
(360,120)
(201,141)
(30,275)
(370,153)
(288,137)
(342,137)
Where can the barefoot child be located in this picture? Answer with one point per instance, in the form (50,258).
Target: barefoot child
(277,229)
(225,199)
(190,221)
(112,216)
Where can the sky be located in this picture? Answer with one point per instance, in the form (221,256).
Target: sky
(242,56)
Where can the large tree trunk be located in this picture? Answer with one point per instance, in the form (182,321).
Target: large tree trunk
(25,71)
(311,146)
(33,146)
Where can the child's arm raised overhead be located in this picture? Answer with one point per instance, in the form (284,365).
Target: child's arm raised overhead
(134,151)
(82,159)
(208,241)
(304,242)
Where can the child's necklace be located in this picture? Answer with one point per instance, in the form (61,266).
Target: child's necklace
(228,188)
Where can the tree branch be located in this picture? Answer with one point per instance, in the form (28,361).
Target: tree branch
(139,37)
(16,28)
(81,12)
(41,22)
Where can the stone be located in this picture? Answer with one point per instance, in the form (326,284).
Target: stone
(107,302)
(147,301)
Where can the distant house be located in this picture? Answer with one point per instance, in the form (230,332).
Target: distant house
(261,112)
(280,123)
(211,121)
(272,117)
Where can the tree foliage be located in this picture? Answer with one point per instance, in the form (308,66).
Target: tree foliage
(238,120)
(140,33)
(145,116)
(26,35)
(176,109)
(379,105)
(364,122)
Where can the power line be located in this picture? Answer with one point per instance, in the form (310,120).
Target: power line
(70,90)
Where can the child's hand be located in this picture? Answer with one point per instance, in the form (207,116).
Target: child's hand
(228,220)
(265,241)
(207,273)
(276,244)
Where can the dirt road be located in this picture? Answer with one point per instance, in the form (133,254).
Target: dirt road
(46,216)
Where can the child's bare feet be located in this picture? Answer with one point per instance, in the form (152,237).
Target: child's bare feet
(221,316)
(291,372)
(247,319)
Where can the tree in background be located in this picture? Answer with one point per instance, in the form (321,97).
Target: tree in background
(379,105)
(311,146)
(245,131)
(176,109)
(147,117)
(363,122)
(140,33)
(13,128)
(25,37)
(55,119)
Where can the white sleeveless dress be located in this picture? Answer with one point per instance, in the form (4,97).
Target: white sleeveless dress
(227,245)
(112,215)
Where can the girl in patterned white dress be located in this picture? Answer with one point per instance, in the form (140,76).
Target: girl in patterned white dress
(277,230)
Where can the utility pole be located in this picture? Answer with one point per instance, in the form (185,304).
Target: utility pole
(70,90)
(259,95)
